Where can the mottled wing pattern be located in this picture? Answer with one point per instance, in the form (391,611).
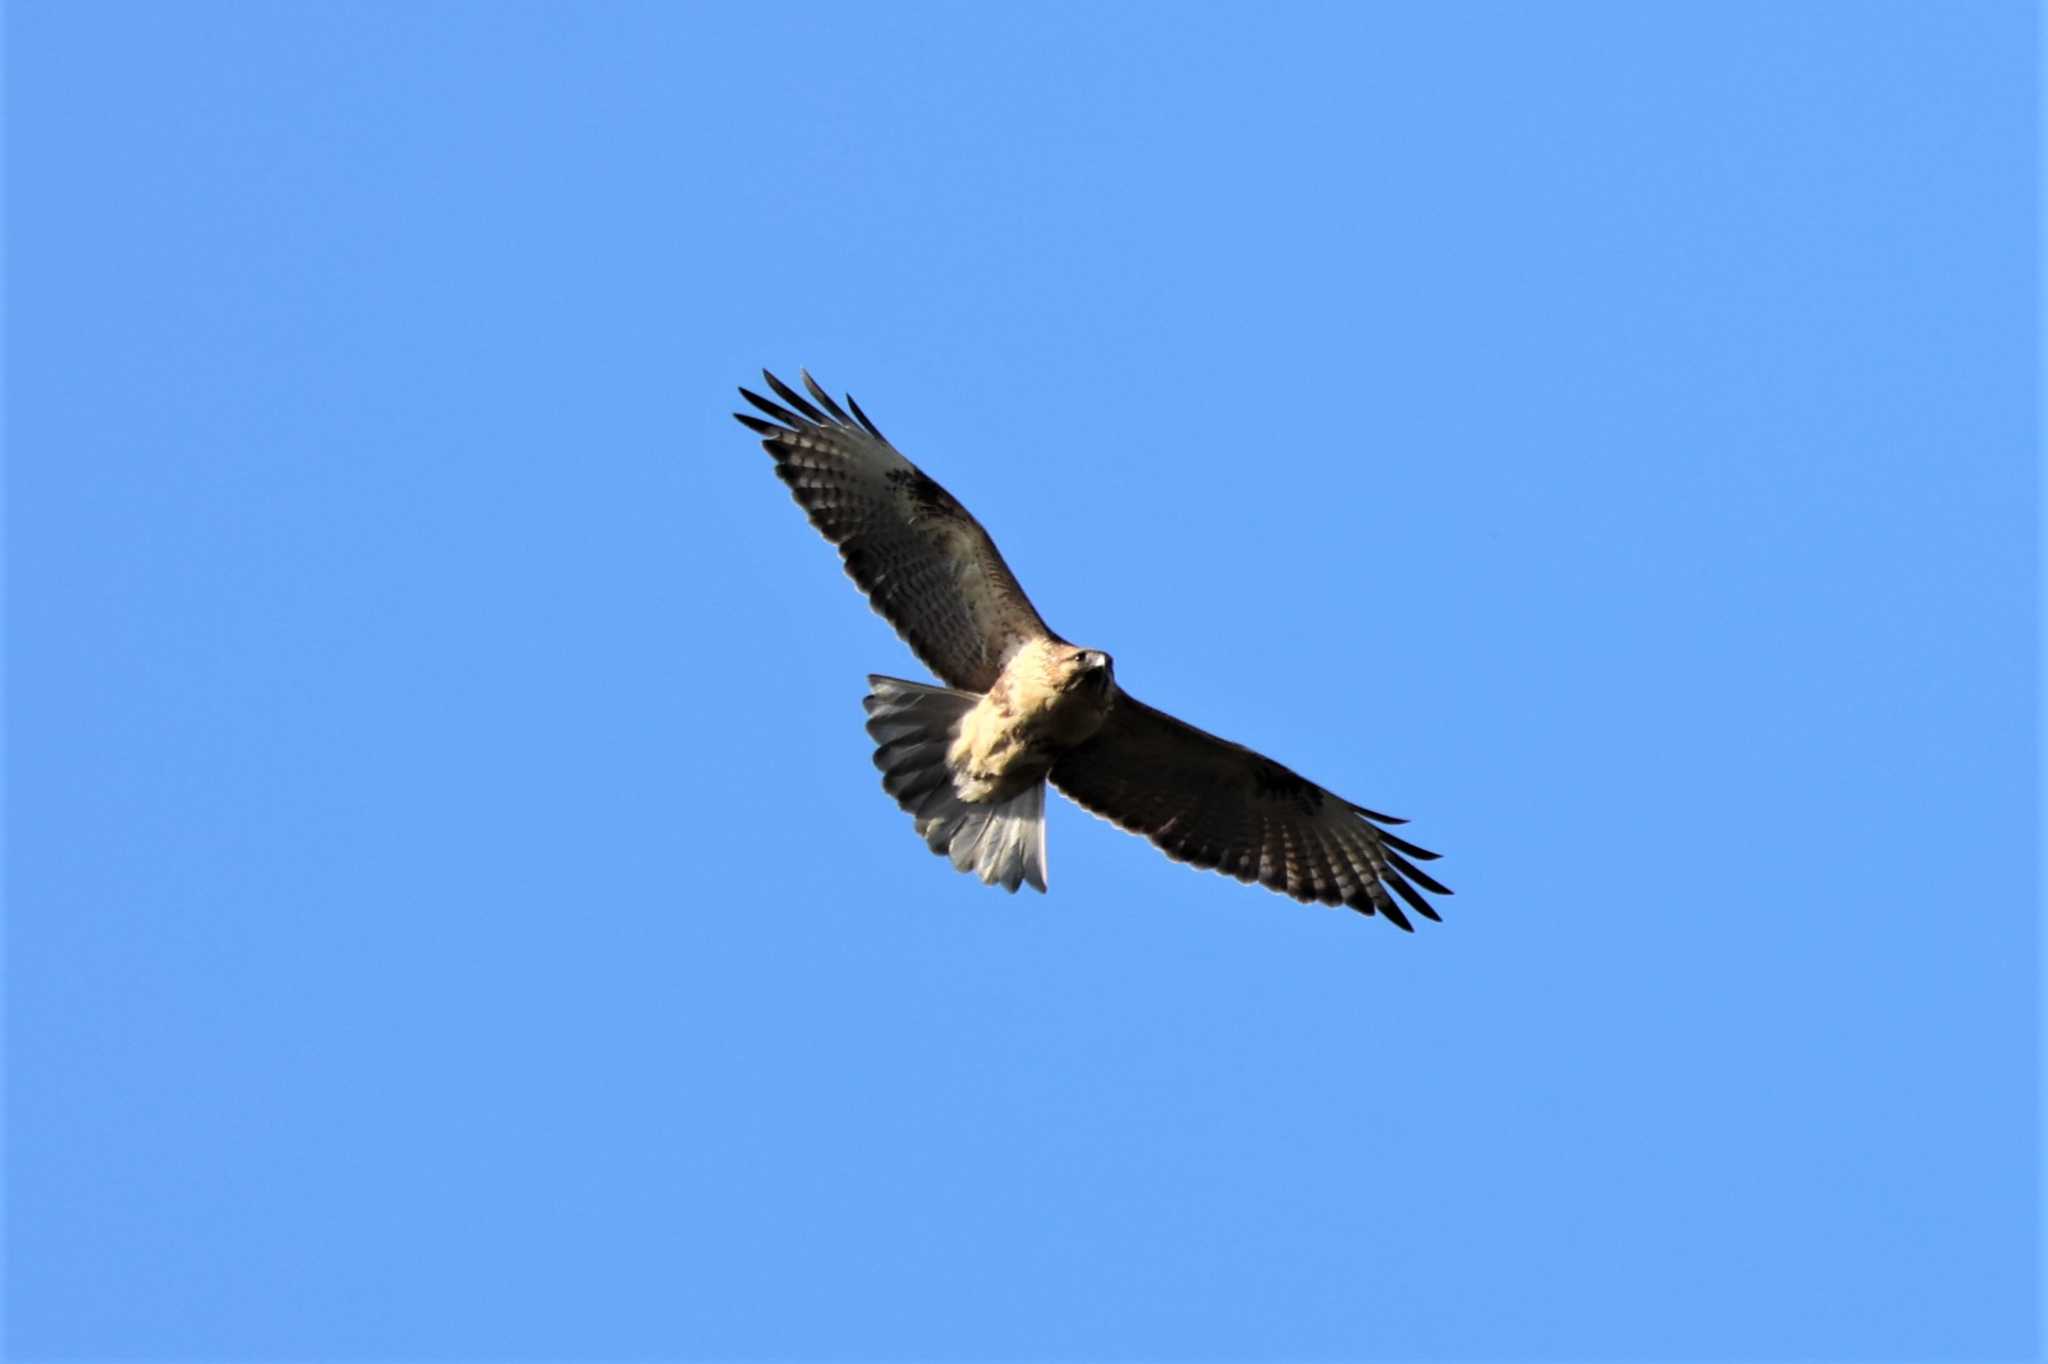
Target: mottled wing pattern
(1212,803)
(923,560)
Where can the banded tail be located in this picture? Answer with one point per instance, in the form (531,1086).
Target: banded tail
(913,727)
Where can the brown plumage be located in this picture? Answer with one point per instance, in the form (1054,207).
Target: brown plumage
(1023,706)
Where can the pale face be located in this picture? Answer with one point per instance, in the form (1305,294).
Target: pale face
(1089,671)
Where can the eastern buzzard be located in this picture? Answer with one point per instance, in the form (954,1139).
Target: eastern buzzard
(970,760)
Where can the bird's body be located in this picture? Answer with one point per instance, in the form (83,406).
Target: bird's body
(1048,698)
(1024,707)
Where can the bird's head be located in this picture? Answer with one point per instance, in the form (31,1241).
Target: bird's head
(1089,670)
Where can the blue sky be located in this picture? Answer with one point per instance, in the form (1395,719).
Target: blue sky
(451,911)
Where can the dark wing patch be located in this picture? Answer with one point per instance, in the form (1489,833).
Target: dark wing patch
(1212,803)
(923,560)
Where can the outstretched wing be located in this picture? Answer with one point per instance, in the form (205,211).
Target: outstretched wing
(924,561)
(1213,803)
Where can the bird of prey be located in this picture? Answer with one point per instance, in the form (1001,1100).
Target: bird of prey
(970,760)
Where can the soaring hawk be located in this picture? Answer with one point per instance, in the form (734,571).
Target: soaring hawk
(1022,707)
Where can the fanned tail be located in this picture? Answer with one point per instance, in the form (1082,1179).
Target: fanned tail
(913,726)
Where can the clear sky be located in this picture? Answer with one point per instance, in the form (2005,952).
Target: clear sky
(452,913)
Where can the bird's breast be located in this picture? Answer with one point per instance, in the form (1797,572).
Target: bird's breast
(1012,736)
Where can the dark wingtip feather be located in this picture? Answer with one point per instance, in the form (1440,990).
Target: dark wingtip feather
(1410,894)
(1405,846)
(775,410)
(864,419)
(1371,901)
(794,399)
(756,425)
(1415,873)
(1375,816)
(822,396)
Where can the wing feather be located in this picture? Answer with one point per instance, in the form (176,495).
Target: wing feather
(1410,894)
(1413,872)
(775,410)
(1212,803)
(824,398)
(795,400)
(922,559)
(863,419)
